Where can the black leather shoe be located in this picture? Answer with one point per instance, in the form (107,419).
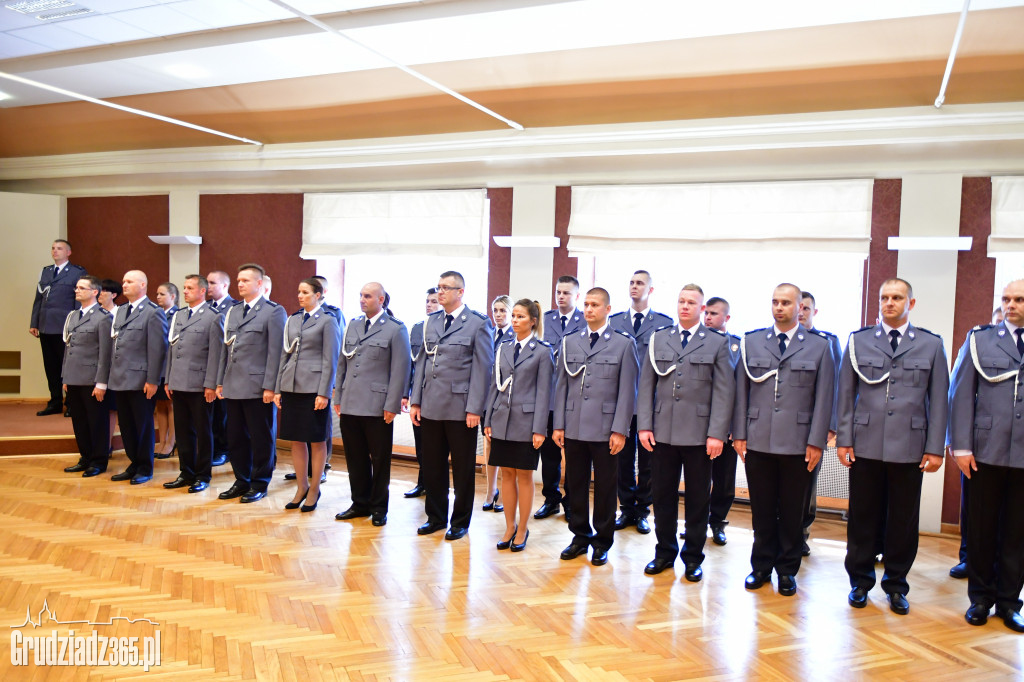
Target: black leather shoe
(415,491)
(289,477)
(165,455)
(378,519)
(455,533)
(806,549)
(125,475)
(67,412)
(1012,619)
(599,557)
(546,510)
(198,487)
(522,545)
(75,468)
(219,460)
(858,598)
(643,526)
(755,580)
(977,614)
(50,409)
(237,489)
(352,512)
(694,573)
(959,571)
(787,585)
(179,482)
(658,565)
(718,535)
(623,521)
(898,604)
(92,471)
(573,551)
(253,496)
(430,527)
(139,479)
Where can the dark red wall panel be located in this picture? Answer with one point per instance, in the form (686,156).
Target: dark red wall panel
(885,223)
(563,264)
(498,258)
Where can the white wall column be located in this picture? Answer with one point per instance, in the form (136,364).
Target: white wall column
(183,259)
(930,207)
(533,215)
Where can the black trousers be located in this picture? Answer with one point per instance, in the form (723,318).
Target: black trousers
(416,435)
(777,485)
(135,417)
(965,499)
(368,443)
(53,362)
(723,485)
(220,428)
(667,462)
(252,440)
(885,510)
(90,420)
(439,439)
(995,534)
(811,499)
(551,470)
(580,457)
(193,429)
(634,477)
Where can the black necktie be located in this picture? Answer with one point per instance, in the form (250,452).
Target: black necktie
(245,310)
(1020,342)
(305,316)
(593,338)
(130,309)
(686,338)
(366,325)
(782,344)
(563,323)
(515,354)
(638,319)
(81,314)
(190,313)
(894,340)
(448,321)
(497,338)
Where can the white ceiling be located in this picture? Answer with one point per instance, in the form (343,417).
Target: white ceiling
(145,46)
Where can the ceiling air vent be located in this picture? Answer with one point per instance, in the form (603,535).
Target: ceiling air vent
(48,10)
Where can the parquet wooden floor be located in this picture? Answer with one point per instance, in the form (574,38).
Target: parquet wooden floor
(254,592)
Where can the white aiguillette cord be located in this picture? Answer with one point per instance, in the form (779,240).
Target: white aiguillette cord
(350,354)
(583,367)
(764,377)
(505,385)
(67,322)
(291,346)
(856,368)
(171,338)
(993,379)
(650,354)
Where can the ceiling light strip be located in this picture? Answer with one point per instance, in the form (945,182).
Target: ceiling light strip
(409,70)
(952,55)
(130,110)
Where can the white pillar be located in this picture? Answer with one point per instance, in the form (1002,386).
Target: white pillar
(930,207)
(183,259)
(533,214)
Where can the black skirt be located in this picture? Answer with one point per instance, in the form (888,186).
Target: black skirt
(513,454)
(300,422)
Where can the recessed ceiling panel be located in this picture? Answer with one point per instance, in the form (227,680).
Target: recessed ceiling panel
(106,29)
(54,36)
(162,20)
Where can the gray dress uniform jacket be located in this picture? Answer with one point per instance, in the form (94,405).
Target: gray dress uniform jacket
(140,347)
(986,414)
(837,359)
(553,326)
(415,344)
(373,367)
(55,297)
(903,415)
(786,417)
(310,356)
(600,399)
(454,366)
(87,348)
(521,409)
(624,322)
(195,346)
(694,399)
(250,361)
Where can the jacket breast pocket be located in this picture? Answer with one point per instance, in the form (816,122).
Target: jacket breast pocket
(378,348)
(916,371)
(758,366)
(803,372)
(701,366)
(871,367)
(995,364)
(607,368)
(461,346)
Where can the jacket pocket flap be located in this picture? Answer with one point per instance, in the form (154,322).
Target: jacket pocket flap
(752,412)
(870,362)
(665,356)
(460,387)
(604,360)
(803,365)
(702,359)
(703,410)
(803,417)
(995,361)
(379,343)
(575,357)
(608,408)
(197,366)
(460,340)
(759,362)
(528,407)
(381,388)
(918,422)
(917,363)
(983,421)
(861,418)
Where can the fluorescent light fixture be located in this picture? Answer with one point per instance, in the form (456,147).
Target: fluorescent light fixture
(64,13)
(528,241)
(930,243)
(33,6)
(4,95)
(188,240)
(187,71)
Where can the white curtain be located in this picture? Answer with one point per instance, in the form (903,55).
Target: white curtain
(434,223)
(833,216)
(1007,216)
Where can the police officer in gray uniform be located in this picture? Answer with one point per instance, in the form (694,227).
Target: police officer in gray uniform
(196,339)
(564,320)
(54,299)
(785,386)
(723,467)
(86,368)
(448,395)
(220,300)
(893,386)
(253,332)
(595,392)
(986,436)
(415,344)
(684,413)
(372,371)
(635,464)
(137,363)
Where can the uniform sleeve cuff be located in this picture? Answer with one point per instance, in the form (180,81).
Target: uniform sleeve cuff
(962,453)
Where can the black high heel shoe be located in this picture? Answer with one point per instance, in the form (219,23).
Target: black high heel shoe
(295,505)
(166,455)
(311,507)
(522,546)
(493,504)
(505,544)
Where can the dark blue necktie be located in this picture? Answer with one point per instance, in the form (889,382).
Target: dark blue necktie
(782,344)
(1020,342)
(81,314)
(245,310)
(686,338)
(894,340)
(305,316)
(594,336)
(638,320)
(366,325)
(190,313)
(515,354)
(448,321)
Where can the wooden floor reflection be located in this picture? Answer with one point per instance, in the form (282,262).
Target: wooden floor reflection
(255,592)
